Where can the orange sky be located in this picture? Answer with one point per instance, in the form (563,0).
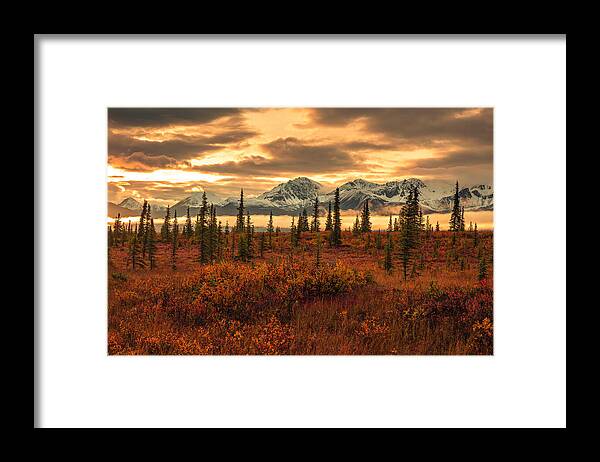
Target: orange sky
(164,154)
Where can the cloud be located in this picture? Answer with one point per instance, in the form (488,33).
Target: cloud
(161,117)
(416,124)
(181,148)
(139,161)
(287,156)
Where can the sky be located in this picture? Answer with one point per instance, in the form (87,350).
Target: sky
(164,154)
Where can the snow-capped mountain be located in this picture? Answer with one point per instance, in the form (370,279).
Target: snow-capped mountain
(435,196)
(291,197)
(132,204)
(298,191)
(195,200)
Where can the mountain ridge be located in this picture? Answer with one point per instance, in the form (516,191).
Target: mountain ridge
(291,197)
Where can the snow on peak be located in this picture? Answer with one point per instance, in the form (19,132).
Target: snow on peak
(195,199)
(296,191)
(131,204)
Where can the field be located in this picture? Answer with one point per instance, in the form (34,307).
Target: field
(287,302)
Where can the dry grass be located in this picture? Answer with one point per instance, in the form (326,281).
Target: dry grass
(282,304)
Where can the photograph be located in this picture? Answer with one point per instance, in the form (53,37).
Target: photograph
(300,231)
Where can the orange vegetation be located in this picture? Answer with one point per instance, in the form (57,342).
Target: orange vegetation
(283,303)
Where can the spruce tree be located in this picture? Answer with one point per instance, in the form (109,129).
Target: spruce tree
(141,228)
(356,227)
(270,230)
(203,238)
(437,225)
(213,232)
(299,228)
(242,247)
(456,213)
(249,238)
(134,257)
(128,233)
(152,244)
(365,219)
(110,236)
(305,225)
(220,239)
(146,233)
(410,229)
(174,236)
(329,222)
(335,237)
(118,235)
(239,226)
(390,227)
(293,234)
(315,225)
(165,230)
(188,231)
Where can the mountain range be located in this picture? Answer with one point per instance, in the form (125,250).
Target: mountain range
(291,197)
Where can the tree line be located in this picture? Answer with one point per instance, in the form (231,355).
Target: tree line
(216,242)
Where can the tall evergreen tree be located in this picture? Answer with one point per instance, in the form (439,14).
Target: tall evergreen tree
(437,225)
(147,232)
(390,227)
(243,246)
(174,237)
(365,219)
(141,229)
(134,257)
(299,228)
(305,224)
(239,226)
(356,227)
(315,225)
(165,230)
(410,230)
(118,234)
(152,244)
(110,236)
(188,231)
(249,237)
(455,215)
(203,238)
(270,230)
(335,237)
(293,234)
(213,234)
(329,222)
